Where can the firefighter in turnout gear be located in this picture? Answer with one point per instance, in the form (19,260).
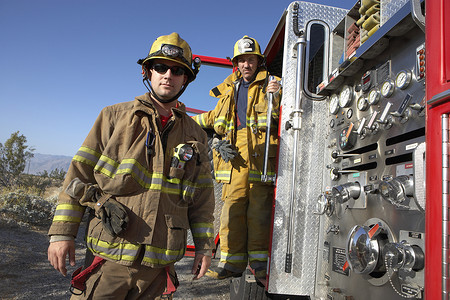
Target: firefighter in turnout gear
(239,121)
(140,202)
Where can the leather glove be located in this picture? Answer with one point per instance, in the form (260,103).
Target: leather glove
(226,150)
(113,215)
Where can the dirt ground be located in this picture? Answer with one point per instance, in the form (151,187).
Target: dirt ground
(25,272)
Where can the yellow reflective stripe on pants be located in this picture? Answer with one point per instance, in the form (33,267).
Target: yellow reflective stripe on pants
(235,258)
(258,255)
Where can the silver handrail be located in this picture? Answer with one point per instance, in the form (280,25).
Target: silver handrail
(296,126)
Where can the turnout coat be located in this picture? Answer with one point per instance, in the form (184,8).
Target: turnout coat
(128,155)
(223,120)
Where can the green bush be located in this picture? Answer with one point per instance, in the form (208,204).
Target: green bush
(24,208)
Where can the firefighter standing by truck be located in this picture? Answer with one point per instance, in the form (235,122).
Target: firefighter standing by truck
(239,121)
(144,172)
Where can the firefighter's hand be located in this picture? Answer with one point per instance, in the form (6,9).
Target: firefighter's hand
(57,253)
(201,264)
(273,86)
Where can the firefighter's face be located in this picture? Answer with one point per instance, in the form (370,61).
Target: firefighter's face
(166,84)
(248,64)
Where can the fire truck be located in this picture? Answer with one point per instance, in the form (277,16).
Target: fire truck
(361,196)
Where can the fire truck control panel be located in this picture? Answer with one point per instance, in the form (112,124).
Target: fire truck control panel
(349,216)
(352,213)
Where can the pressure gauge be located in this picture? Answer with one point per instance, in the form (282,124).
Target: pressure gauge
(349,113)
(346,96)
(374,96)
(387,89)
(334,104)
(362,103)
(403,79)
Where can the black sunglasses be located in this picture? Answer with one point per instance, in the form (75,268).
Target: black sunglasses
(162,69)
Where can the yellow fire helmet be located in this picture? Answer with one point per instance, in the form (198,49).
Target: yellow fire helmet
(173,47)
(246,45)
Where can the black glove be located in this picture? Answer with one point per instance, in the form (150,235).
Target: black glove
(226,150)
(113,215)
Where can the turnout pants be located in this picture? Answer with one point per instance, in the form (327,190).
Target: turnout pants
(246,218)
(114,281)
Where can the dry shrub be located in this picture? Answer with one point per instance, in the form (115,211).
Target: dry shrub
(25,207)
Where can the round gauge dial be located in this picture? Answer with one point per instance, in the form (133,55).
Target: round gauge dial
(349,113)
(387,89)
(332,123)
(362,103)
(334,104)
(403,79)
(374,96)
(346,96)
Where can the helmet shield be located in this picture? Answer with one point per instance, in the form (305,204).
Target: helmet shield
(246,45)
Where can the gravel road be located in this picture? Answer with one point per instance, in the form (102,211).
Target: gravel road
(25,272)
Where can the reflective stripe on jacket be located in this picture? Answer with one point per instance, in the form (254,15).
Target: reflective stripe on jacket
(162,202)
(223,118)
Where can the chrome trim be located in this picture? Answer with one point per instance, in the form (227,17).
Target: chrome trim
(439,97)
(445,206)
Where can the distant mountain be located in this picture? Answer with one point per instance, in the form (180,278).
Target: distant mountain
(47,162)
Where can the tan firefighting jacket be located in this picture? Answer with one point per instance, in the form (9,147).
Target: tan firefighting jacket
(162,202)
(223,120)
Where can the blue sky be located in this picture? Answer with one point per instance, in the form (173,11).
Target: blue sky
(62,61)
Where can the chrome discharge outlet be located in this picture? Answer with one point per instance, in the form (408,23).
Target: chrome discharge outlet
(404,256)
(345,192)
(397,190)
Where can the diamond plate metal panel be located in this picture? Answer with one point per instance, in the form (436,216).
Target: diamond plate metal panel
(308,185)
(389,8)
